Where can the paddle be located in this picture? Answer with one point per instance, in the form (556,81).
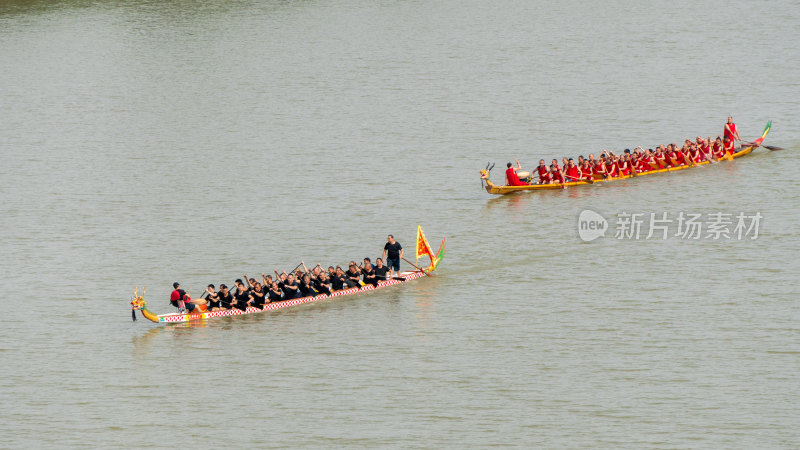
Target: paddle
(414,265)
(291,271)
(768,147)
(384,277)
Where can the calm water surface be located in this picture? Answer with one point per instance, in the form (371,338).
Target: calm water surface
(148,142)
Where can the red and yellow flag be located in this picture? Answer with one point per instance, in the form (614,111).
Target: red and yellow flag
(423,248)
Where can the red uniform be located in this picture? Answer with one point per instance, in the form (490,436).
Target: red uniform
(644,164)
(586,170)
(729,148)
(716,149)
(542,174)
(730,131)
(624,168)
(513,179)
(611,169)
(572,173)
(599,169)
(673,158)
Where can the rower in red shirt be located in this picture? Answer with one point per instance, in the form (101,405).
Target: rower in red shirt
(556,175)
(704,146)
(646,162)
(542,171)
(611,167)
(730,131)
(677,155)
(623,166)
(686,155)
(728,145)
(599,169)
(571,171)
(511,175)
(660,157)
(696,155)
(586,170)
(716,148)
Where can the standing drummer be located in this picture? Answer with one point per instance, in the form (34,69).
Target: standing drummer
(392,253)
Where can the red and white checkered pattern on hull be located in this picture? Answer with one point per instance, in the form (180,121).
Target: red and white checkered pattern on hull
(178,318)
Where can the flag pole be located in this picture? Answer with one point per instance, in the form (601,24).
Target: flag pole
(420,269)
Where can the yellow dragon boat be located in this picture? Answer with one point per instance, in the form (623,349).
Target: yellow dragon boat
(503,190)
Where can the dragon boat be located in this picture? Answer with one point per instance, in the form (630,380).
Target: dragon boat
(138,302)
(503,190)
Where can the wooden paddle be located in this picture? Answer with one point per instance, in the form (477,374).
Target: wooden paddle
(414,265)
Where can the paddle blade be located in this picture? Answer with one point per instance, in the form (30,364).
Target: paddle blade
(133,315)
(772,147)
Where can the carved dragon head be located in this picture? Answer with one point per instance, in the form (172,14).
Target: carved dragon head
(485,172)
(138,300)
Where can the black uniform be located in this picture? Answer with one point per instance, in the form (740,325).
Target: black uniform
(225,301)
(380,272)
(242,297)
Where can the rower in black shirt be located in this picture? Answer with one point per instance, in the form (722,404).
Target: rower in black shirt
(353,275)
(290,288)
(337,280)
(225,297)
(321,283)
(275,294)
(257,296)
(306,290)
(242,295)
(212,299)
(380,269)
(369,273)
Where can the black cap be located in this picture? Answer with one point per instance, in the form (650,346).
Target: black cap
(175,285)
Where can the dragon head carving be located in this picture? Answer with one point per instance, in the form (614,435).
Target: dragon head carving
(138,300)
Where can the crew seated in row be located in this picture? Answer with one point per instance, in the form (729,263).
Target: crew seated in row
(285,286)
(610,165)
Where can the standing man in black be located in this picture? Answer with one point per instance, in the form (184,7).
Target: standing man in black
(392,252)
